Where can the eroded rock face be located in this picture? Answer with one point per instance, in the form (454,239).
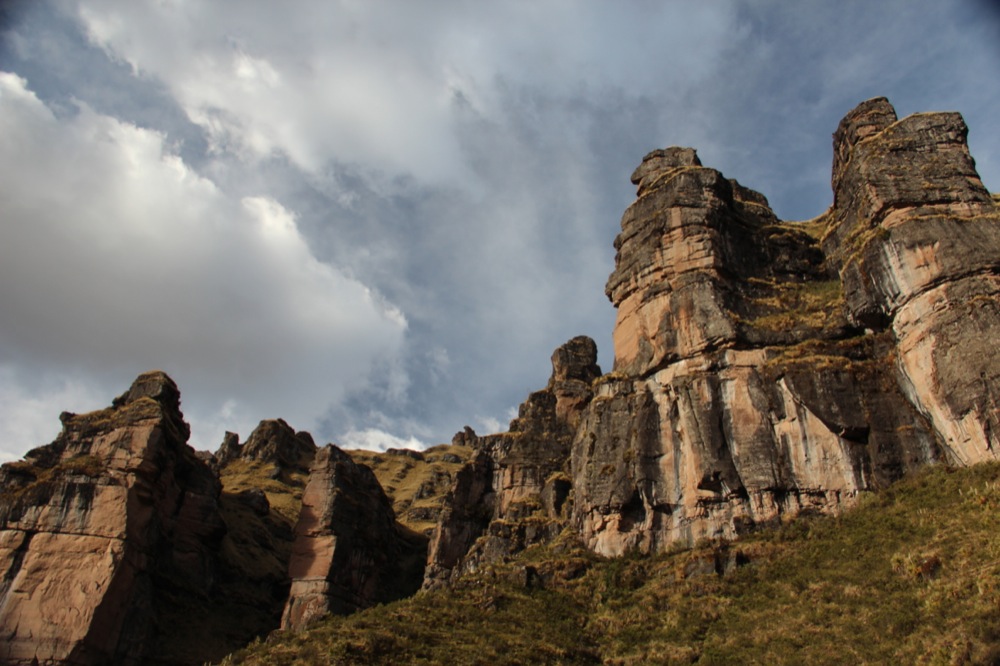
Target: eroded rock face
(514,492)
(916,237)
(97,525)
(349,552)
(703,264)
(759,372)
(716,445)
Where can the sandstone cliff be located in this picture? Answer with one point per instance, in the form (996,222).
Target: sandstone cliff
(916,238)
(764,368)
(514,491)
(349,552)
(100,528)
(120,544)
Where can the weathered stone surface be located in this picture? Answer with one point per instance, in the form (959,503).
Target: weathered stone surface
(349,551)
(514,492)
(468,509)
(917,240)
(713,446)
(97,525)
(703,264)
(745,386)
(762,369)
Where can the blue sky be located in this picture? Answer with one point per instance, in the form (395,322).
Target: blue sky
(378,219)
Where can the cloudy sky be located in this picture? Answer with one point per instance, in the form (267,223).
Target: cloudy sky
(378,219)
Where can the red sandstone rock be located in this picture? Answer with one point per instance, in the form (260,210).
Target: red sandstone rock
(349,552)
(93,525)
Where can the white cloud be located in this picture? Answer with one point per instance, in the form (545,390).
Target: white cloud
(376,83)
(31,409)
(374,439)
(468,161)
(116,258)
(487,425)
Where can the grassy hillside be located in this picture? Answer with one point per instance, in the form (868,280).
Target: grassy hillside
(910,576)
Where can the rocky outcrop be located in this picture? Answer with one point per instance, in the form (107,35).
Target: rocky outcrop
(703,264)
(349,552)
(762,368)
(97,527)
(514,492)
(765,368)
(916,238)
(272,442)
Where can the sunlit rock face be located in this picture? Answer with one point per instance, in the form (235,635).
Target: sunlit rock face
(916,238)
(762,369)
(767,368)
(96,527)
(761,372)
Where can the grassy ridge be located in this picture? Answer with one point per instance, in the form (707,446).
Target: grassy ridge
(910,576)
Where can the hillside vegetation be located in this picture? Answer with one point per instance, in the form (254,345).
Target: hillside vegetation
(911,576)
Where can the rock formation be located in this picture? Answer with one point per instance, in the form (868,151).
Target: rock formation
(272,442)
(762,369)
(118,543)
(349,552)
(513,492)
(761,372)
(98,526)
(915,236)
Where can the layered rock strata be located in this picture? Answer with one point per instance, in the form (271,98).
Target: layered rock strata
(916,237)
(349,552)
(98,526)
(760,372)
(765,368)
(762,369)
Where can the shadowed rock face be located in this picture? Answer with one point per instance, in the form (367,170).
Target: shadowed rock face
(96,526)
(514,492)
(272,441)
(349,552)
